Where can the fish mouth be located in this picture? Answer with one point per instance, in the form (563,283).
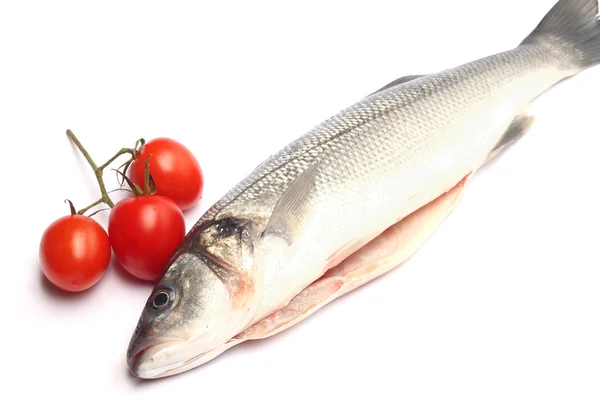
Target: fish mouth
(155,359)
(197,360)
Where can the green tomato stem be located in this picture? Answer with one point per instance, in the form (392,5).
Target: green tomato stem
(113,158)
(99,170)
(94,204)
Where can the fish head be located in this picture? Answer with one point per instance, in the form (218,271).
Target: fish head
(205,297)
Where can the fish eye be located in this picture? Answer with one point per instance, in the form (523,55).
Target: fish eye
(162,298)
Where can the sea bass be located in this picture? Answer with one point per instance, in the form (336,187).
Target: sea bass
(351,199)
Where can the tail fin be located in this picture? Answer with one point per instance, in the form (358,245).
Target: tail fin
(576,23)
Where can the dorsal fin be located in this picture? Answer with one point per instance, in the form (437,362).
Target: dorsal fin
(398,81)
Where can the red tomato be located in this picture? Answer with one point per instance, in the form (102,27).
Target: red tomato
(144,233)
(175,170)
(74,252)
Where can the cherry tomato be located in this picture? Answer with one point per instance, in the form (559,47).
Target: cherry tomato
(74,252)
(175,171)
(144,233)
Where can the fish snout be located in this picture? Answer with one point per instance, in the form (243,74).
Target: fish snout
(152,360)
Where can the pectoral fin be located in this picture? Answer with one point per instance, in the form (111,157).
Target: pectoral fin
(291,207)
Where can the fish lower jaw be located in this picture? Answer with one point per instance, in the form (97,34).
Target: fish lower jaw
(190,364)
(154,373)
(154,359)
(171,358)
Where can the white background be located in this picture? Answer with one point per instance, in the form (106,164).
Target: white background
(503,300)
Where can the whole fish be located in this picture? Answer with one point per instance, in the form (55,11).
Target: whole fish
(351,199)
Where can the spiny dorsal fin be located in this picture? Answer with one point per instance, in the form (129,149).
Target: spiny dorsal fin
(290,208)
(397,82)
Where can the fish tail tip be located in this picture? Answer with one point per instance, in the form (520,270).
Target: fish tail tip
(575,22)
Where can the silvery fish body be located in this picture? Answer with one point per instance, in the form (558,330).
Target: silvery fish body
(350,199)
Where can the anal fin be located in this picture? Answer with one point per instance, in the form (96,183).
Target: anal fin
(384,253)
(516,130)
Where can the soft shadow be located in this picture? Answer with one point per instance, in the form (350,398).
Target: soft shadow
(196,208)
(50,290)
(55,292)
(193,214)
(126,276)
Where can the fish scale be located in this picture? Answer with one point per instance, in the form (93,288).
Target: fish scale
(388,112)
(351,198)
(383,158)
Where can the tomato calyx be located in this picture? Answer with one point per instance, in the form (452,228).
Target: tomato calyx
(149,183)
(72,207)
(135,151)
